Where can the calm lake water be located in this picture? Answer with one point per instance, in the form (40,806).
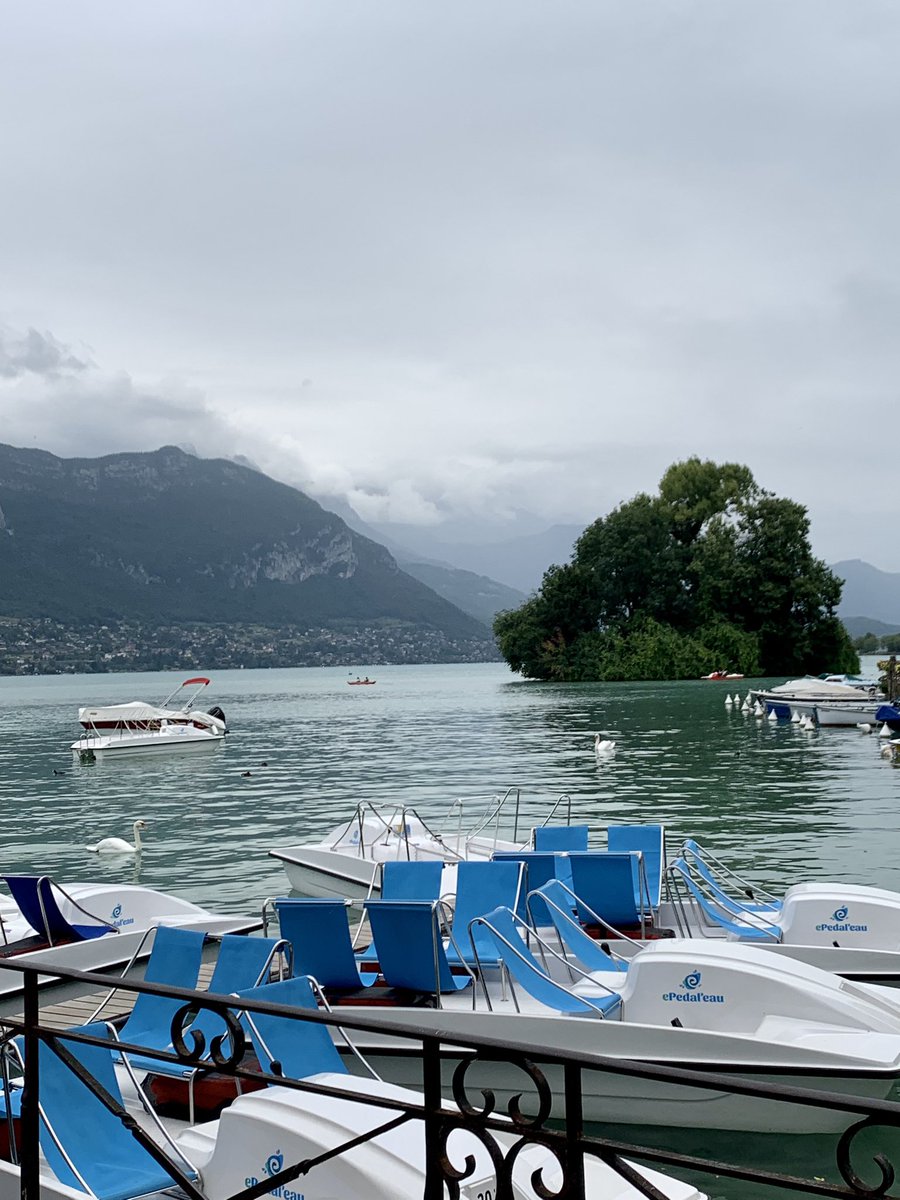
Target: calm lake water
(787,805)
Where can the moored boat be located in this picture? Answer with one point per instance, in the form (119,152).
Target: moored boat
(347,862)
(91,926)
(120,730)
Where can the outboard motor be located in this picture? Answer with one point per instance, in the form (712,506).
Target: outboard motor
(216,712)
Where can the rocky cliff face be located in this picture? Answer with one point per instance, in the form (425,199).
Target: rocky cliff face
(191,539)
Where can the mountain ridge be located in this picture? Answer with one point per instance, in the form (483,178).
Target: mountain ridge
(193,540)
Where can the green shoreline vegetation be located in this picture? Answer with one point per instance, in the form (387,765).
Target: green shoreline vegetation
(712,573)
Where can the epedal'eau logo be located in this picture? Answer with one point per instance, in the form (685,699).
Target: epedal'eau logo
(118,920)
(691,992)
(273,1166)
(838,923)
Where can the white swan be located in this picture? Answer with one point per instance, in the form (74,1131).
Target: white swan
(864,727)
(603,745)
(114,845)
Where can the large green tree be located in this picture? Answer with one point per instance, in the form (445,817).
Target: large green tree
(713,572)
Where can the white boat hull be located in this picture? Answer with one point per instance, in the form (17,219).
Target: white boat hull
(267,1131)
(126,745)
(625,1099)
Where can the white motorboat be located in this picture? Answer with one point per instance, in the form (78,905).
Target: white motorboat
(91,926)
(811,690)
(348,862)
(120,730)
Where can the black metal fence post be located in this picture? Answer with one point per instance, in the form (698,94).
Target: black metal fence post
(432,1101)
(30,1165)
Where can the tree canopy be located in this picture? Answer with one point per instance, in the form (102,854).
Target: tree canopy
(713,573)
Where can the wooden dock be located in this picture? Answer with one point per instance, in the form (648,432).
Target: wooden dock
(78,1010)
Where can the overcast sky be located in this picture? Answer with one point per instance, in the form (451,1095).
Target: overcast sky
(462,259)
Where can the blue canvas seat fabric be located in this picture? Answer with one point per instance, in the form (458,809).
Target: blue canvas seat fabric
(240,964)
(649,842)
(553,838)
(726,914)
(557,905)
(701,867)
(410,946)
(113,1164)
(301,1048)
(499,928)
(319,934)
(402,880)
(37,904)
(609,885)
(480,888)
(540,867)
(175,962)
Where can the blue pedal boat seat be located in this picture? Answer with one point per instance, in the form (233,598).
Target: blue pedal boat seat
(650,842)
(608,886)
(480,888)
(242,962)
(552,904)
(540,867)
(113,1164)
(499,928)
(174,962)
(411,948)
(406,880)
(701,867)
(319,933)
(560,837)
(37,904)
(301,1048)
(747,925)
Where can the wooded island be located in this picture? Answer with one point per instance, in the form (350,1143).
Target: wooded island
(712,573)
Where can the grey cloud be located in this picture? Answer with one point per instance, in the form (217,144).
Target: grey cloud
(528,253)
(36,353)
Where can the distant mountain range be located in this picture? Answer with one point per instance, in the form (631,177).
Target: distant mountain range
(169,536)
(217,540)
(870,601)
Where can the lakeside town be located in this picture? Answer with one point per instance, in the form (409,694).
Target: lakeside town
(41,646)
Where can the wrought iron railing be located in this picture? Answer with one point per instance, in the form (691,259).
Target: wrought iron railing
(563,1133)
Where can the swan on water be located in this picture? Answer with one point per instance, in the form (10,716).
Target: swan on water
(603,745)
(864,727)
(115,845)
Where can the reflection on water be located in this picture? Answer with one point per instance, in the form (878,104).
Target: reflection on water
(305,749)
